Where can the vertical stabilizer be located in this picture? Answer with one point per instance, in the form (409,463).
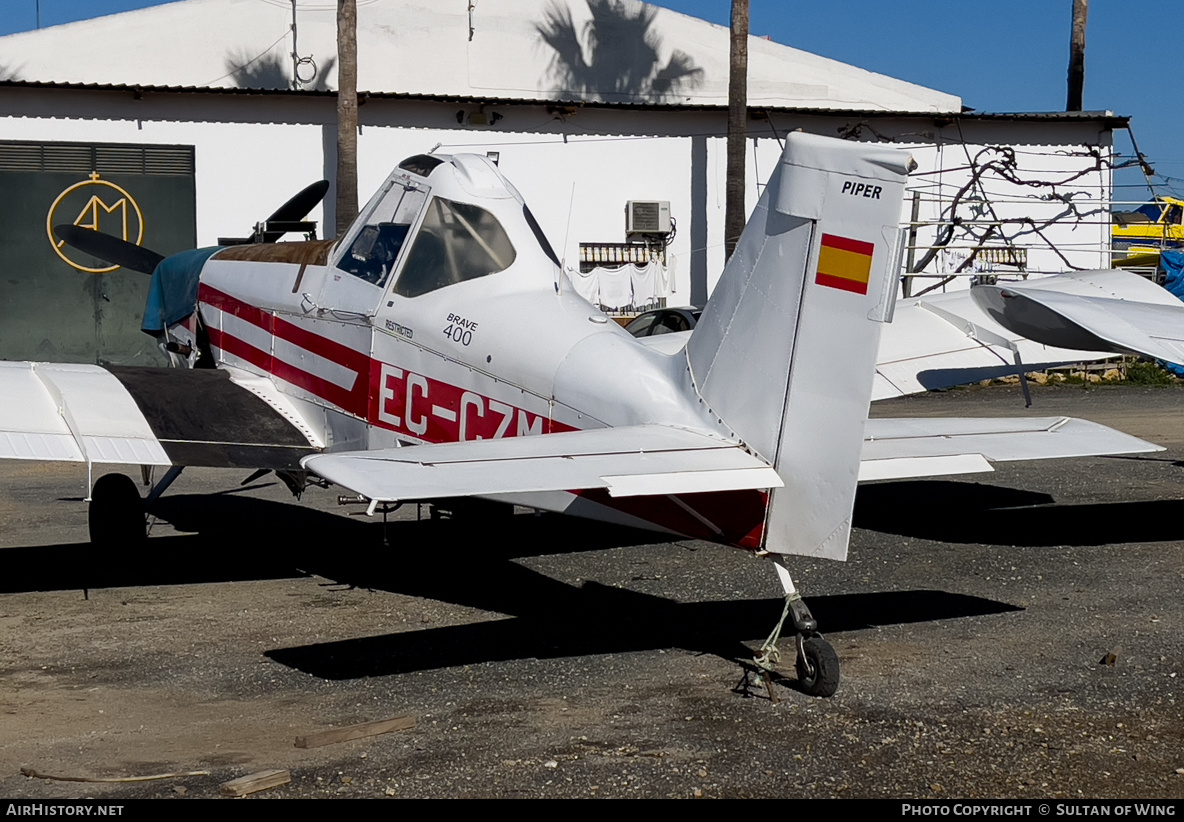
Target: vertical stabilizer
(785,351)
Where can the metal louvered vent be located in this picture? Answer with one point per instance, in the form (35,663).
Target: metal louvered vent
(119,160)
(65,158)
(168,159)
(80,158)
(17,157)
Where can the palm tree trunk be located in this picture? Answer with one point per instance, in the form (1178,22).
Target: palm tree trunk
(347,114)
(1077,56)
(734,214)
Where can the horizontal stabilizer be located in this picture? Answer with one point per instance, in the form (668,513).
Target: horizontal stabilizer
(627,461)
(909,448)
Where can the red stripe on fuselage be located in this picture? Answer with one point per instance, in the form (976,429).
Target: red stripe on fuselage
(352,401)
(323,346)
(384,395)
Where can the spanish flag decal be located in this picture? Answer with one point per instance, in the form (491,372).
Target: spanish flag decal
(844,263)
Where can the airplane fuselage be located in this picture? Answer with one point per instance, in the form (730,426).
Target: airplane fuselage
(367,362)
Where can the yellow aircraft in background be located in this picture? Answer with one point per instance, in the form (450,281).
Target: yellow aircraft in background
(1141,234)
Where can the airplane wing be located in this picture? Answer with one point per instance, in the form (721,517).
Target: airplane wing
(625,461)
(981,333)
(911,448)
(145,416)
(989,331)
(1103,320)
(223,418)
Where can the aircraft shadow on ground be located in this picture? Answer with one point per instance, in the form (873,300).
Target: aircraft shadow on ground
(598,619)
(232,538)
(235,539)
(973,513)
(466,563)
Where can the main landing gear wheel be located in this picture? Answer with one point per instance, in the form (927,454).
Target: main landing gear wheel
(818,666)
(116,516)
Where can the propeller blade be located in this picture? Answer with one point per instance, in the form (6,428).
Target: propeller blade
(297,207)
(109,248)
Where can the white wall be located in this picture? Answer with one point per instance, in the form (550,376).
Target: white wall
(255,151)
(1053,201)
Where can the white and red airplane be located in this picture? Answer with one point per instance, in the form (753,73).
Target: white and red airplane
(441,320)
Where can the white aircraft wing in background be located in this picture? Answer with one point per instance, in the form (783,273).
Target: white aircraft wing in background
(1113,311)
(992,331)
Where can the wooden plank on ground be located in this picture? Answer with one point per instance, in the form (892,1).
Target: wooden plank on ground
(364,729)
(255,782)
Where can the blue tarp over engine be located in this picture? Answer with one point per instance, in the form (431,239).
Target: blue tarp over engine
(172,295)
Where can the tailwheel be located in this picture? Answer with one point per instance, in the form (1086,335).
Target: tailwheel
(116,516)
(817,666)
(817,663)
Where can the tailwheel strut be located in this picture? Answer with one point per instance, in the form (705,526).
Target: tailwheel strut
(817,663)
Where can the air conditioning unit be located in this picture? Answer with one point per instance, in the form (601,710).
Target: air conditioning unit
(647,217)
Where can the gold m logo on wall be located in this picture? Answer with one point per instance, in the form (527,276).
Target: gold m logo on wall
(121,218)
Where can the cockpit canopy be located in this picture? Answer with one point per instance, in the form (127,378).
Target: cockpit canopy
(420,229)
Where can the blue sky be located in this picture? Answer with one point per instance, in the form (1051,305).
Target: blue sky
(1006,55)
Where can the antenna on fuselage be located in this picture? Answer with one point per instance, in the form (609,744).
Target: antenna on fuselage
(566,233)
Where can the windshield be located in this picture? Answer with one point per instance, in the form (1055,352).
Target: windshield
(456,242)
(375,249)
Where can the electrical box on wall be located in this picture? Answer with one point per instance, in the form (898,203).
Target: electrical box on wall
(647,217)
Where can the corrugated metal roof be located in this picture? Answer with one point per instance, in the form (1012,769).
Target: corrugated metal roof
(536,49)
(1107,118)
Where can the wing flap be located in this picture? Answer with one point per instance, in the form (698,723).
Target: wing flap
(72,413)
(64,412)
(29,445)
(901,448)
(626,461)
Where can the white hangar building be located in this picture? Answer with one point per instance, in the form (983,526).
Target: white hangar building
(588,104)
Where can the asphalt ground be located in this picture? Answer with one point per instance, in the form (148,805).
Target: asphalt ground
(548,657)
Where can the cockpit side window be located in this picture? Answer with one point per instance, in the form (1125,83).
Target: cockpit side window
(375,249)
(456,242)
